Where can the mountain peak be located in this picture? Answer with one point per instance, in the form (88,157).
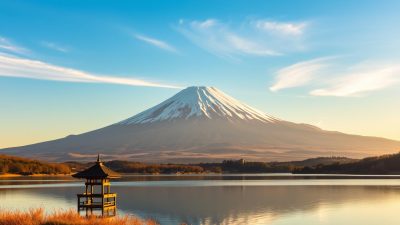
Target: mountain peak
(196,89)
(199,87)
(199,102)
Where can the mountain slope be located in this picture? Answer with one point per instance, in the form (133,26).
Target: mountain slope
(204,124)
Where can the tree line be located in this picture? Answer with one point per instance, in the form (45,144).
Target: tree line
(386,164)
(23,166)
(226,166)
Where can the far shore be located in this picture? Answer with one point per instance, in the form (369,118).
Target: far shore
(32,175)
(12,166)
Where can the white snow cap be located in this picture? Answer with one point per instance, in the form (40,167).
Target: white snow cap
(200,102)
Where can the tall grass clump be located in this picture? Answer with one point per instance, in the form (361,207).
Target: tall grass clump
(69,217)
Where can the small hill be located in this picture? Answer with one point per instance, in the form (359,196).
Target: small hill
(24,166)
(385,165)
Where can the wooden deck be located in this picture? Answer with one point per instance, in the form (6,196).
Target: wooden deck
(97,201)
(90,195)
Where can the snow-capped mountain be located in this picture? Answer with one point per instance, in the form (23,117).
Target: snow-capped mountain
(199,102)
(204,124)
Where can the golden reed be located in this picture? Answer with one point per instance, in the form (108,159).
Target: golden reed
(69,217)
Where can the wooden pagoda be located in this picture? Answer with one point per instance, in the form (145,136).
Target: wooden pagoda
(97,195)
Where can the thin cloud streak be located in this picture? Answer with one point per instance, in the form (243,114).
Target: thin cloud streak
(54,46)
(11,66)
(298,74)
(339,80)
(361,79)
(282,28)
(249,47)
(9,46)
(155,42)
(219,39)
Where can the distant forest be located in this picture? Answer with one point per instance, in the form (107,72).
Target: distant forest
(226,166)
(23,166)
(382,165)
(387,164)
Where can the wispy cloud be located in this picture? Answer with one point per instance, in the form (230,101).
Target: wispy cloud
(54,46)
(362,78)
(8,46)
(155,42)
(283,28)
(298,74)
(339,79)
(12,66)
(224,41)
(248,47)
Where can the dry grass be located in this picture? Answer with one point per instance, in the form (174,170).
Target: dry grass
(70,217)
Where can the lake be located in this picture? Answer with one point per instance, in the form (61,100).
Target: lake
(276,199)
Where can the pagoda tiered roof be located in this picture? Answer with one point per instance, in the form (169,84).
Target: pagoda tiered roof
(97,171)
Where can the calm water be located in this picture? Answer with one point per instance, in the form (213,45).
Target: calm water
(234,199)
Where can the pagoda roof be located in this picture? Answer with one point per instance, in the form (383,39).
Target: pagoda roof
(97,171)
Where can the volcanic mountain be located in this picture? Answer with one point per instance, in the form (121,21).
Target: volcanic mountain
(201,124)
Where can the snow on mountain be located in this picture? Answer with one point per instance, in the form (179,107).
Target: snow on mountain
(199,102)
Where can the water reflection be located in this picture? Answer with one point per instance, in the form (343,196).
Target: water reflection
(277,202)
(243,205)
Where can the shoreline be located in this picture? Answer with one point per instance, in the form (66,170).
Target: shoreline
(33,175)
(276,176)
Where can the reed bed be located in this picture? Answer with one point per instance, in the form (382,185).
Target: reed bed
(69,217)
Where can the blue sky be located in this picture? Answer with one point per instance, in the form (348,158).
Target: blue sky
(72,66)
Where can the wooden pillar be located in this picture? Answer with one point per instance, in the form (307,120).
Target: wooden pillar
(102,197)
(91,195)
(86,189)
(79,199)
